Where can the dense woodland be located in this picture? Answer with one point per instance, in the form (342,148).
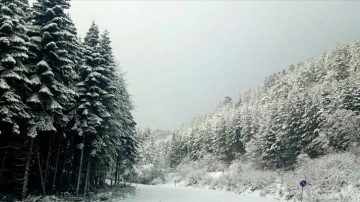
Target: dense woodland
(66,122)
(65,113)
(308,110)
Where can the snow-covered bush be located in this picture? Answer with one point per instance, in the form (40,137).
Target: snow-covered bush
(150,165)
(149,174)
(333,177)
(200,172)
(244,177)
(191,171)
(239,176)
(158,180)
(212,163)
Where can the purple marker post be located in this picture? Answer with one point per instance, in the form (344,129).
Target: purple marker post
(303,183)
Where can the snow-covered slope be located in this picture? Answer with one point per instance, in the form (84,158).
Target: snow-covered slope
(170,193)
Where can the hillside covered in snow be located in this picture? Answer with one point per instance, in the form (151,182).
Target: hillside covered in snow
(303,123)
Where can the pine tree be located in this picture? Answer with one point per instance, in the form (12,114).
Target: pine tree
(310,128)
(337,64)
(354,50)
(90,111)
(270,143)
(14,89)
(14,83)
(120,127)
(53,66)
(53,63)
(122,123)
(219,138)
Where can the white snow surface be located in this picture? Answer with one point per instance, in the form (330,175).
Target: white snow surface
(170,193)
(215,175)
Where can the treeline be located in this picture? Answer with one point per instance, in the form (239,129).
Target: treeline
(65,114)
(150,165)
(311,109)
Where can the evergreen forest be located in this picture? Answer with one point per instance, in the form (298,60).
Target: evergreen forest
(65,113)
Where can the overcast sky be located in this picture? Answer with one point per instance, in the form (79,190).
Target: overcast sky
(182,58)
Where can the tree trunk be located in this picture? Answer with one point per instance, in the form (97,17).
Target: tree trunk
(81,161)
(96,174)
(41,174)
(27,169)
(116,172)
(117,169)
(48,159)
(67,166)
(3,164)
(87,175)
(56,166)
(103,181)
(100,173)
(63,168)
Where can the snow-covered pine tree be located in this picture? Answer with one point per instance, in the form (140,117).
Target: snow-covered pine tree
(122,124)
(310,127)
(14,83)
(354,51)
(219,138)
(106,149)
(238,135)
(269,142)
(14,88)
(341,112)
(350,95)
(92,112)
(194,145)
(53,62)
(119,130)
(53,65)
(290,133)
(337,63)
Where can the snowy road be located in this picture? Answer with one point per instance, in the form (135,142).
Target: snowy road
(166,193)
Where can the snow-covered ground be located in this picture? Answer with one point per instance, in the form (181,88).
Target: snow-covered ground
(170,193)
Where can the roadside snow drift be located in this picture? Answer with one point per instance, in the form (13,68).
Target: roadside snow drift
(170,193)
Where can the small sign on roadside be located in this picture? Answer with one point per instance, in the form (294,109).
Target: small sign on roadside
(303,184)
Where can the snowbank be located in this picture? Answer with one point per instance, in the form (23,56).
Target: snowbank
(334,177)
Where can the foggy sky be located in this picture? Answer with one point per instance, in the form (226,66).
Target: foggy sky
(182,58)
